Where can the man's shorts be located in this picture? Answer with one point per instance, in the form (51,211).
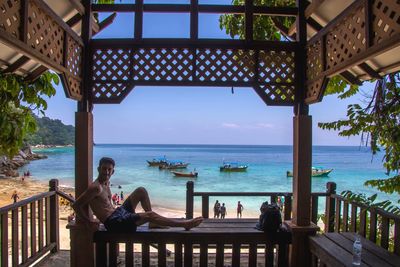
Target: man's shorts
(123,219)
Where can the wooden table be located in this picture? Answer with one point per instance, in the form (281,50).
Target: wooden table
(336,249)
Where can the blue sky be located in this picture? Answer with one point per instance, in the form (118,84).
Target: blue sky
(196,115)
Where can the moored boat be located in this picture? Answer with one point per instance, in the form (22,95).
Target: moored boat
(315,172)
(185,174)
(170,165)
(232,167)
(157,161)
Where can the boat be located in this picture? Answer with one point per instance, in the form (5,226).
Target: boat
(157,161)
(232,167)
(315,172)
(171,165)
(185,174)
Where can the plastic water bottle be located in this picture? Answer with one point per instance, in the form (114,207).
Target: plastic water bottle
(357,248)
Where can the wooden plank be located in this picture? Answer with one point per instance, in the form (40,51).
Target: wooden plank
(345,218)
(162,254)
(346,244)
(40,223)
(188,256)
(112,254)
(178,254)
(145,254)
(129,254)
(4,239)
(384,254)
(314,209)
(189,199)
(33,227)
(37,256)
(338,204)
(47,220)
(363,222)
(353,219)
(397,237)
(219,258)
(101,254)
(205,206)
(24,233)
(236,255)
(203,255)
(14,237)
(139,20)
(288,208)
(373,225)
(253,255)
(326,250)
(385,232)
(269,255)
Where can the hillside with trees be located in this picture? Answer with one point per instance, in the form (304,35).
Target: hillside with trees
(51,132)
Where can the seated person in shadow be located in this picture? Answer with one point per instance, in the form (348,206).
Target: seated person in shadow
(124,218)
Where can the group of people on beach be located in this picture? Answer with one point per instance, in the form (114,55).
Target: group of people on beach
(220,210)
(117,198)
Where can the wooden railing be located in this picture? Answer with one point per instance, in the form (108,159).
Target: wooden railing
(375,224)
(273,196)
(30,228)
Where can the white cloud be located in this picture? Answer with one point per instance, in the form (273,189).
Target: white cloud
(265,125)
(230,125)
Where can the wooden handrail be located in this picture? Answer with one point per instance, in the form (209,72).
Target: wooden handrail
(64,195)
(26,201)
(319,194)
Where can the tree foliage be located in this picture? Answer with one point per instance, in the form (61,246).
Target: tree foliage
(51,132)
(18,100)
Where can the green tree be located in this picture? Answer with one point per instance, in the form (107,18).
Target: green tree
(19,99)
(377,122)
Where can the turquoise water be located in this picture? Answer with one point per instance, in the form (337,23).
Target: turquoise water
(266,172)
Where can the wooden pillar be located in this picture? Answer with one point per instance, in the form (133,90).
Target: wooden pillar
(189,199)
(82,250)
(301,225)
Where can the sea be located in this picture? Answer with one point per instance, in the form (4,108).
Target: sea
(352,166)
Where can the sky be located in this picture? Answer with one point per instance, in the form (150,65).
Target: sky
(196,115)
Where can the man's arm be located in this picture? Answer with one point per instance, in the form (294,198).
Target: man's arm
(83,200)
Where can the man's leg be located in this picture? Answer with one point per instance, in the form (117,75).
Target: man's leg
(140,195)
(152,217)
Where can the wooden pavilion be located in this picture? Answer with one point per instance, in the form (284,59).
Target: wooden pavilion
(359,40)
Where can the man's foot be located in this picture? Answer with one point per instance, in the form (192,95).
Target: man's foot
(193,223)
(157,226)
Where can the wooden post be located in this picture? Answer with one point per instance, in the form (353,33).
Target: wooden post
(82,250)
(189,199)
(205,206)
(54,216)
(330,207)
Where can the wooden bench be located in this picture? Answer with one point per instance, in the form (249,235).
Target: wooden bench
(336,249)
(212,243)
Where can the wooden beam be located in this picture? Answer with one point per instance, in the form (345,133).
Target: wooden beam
(36,73)
(370,71)
(350,78)
(185,8)
(74,20)
(311,8)
(105,23)
(78,6)
(17,64)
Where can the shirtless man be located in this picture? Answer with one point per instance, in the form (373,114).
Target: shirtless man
(123,218)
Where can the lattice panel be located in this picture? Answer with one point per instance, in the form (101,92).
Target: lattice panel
(386,19)
(346,39)
(44,34)
(10,16)
(225,65)
(314,60)
(162,64)
(110,92)
(74,57)
(276,67)
(72,86)
(111,65)
(277,94)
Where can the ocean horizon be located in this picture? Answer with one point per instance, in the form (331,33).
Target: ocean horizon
(352,166)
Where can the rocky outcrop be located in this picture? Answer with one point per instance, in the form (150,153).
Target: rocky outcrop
(9,167)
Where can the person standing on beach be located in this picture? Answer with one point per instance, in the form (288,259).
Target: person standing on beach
(124,218)
(239,210)
(15,196)
(222,211)
(122,196)
(217,207)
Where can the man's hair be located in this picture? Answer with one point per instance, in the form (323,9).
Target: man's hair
(104,160)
